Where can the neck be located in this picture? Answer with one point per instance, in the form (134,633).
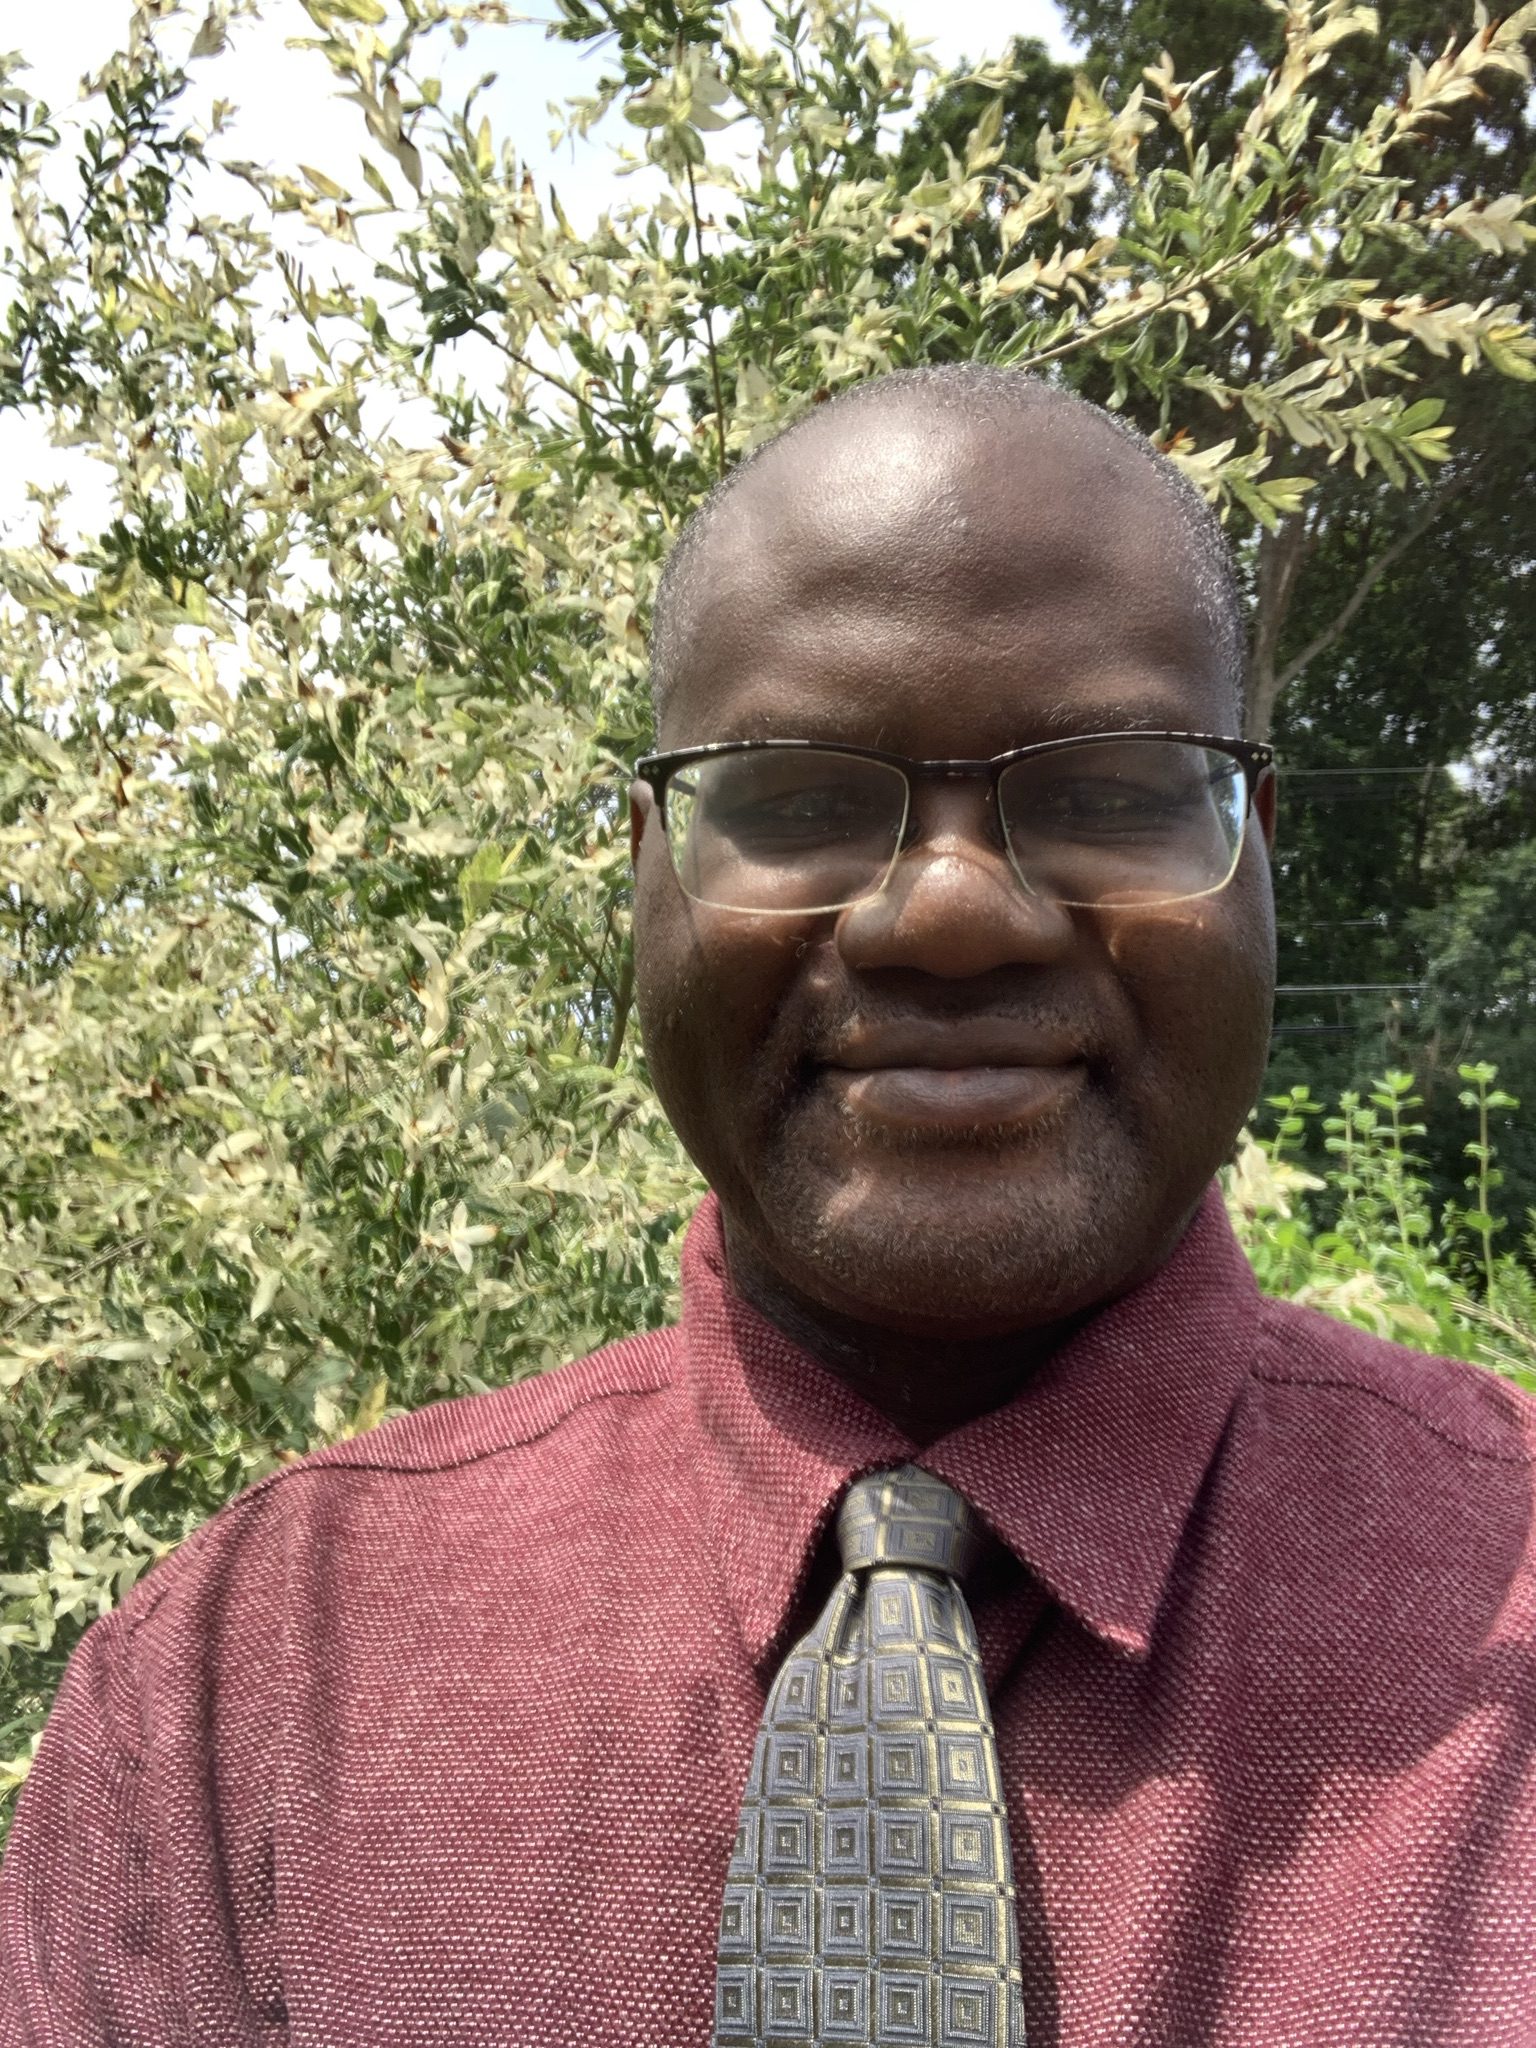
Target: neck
(925,1384)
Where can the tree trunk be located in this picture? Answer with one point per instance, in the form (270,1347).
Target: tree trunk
(1281,550)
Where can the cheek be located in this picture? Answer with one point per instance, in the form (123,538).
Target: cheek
(1200,977)
(710,989)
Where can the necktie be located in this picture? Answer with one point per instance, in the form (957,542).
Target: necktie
(870,1892)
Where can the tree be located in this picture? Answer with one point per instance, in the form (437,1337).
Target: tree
(1392,653)
(1479,1003)
(320,1094)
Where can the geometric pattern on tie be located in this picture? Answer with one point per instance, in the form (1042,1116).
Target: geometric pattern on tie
(870,1892)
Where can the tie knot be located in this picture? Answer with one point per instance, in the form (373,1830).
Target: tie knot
(909,1517)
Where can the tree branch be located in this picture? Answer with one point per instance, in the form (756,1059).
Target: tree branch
(113,1251)
(535,370)
(709,328)
(1372,574)
(1281,551)
(623,999)
(1085,334)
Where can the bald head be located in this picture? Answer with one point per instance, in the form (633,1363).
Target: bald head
(908,469)
(940,572)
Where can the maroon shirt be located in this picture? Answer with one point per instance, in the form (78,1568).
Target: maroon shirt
(437,1737)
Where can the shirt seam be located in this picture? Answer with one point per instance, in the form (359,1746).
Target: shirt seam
(1338,1383)
(315,1468)
(512,1443)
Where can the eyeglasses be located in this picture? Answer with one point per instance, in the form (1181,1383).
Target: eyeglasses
(791,828)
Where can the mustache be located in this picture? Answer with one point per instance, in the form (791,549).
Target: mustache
(821,1029)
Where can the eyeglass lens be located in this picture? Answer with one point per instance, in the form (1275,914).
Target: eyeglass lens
(1123,822)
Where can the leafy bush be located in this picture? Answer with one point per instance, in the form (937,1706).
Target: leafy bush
(318,1096)
(1360,1239)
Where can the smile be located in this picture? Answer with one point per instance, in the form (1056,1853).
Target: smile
(932,1098)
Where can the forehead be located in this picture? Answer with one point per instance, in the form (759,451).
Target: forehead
(909,579)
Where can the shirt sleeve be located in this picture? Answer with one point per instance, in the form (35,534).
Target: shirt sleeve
(85,1927)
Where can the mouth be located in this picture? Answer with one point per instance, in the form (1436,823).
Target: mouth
(954,1078)
(958,1099)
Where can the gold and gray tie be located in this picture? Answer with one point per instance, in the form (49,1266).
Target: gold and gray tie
(870,1893)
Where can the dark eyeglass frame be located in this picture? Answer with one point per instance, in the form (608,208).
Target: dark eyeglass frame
(1254,757)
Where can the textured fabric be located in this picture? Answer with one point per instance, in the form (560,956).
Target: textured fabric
(870,1893)
(437,1739)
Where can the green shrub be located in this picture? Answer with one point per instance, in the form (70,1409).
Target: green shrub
(1359,1239)
(318,1093)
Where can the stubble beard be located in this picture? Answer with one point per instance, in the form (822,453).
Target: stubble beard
(986,1226)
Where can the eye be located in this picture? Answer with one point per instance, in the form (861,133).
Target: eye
(814,811)
(1097,803)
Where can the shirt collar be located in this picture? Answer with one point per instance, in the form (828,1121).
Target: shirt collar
(1088,1475)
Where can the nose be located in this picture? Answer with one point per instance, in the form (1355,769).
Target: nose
(954,906)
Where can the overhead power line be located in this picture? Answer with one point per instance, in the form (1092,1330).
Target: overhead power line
(1349,988)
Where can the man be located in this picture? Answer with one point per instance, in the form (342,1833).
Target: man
(525,1720)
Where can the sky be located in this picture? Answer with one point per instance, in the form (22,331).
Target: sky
(288,114)
(285,96)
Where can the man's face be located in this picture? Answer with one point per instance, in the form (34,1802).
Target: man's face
(953,1108)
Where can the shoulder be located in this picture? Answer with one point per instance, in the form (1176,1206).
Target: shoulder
(1382,1499)
(506,1419)
(431,1470)
(1470,1413)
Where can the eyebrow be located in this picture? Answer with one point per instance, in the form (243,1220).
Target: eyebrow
(1063,719)
(1121,714)
(1155,710)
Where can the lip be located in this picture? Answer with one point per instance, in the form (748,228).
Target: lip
(932,1098)
(961,1074)
(953,1046)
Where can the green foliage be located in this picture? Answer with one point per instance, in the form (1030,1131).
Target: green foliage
(1394,638)
(318,1093)
(1474,950)
(1394,630)
(1479,952)
(1363,1239)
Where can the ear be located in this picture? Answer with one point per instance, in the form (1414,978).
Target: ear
(1264,806)
(642,801)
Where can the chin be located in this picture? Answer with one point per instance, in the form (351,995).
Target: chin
(923,1246)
